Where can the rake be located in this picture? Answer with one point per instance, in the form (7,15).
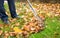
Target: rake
(34,12)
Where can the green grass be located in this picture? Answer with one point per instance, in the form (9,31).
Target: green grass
(52,29)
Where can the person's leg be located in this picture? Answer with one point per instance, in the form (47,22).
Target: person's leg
(11,4)
(3,15)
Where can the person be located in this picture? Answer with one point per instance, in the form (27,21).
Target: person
(3,15)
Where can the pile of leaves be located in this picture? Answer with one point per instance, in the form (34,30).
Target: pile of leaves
(34,26)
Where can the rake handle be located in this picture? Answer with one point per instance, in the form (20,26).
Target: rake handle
(34,11)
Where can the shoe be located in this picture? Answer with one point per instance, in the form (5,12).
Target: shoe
(6,21)
(17,17)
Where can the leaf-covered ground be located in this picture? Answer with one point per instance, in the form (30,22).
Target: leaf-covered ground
(49,12)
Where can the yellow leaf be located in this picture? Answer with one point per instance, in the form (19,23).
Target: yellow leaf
(17,30)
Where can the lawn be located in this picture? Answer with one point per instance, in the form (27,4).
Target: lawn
(52,20)
(51,31)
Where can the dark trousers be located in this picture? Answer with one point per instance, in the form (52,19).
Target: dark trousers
(12,9)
